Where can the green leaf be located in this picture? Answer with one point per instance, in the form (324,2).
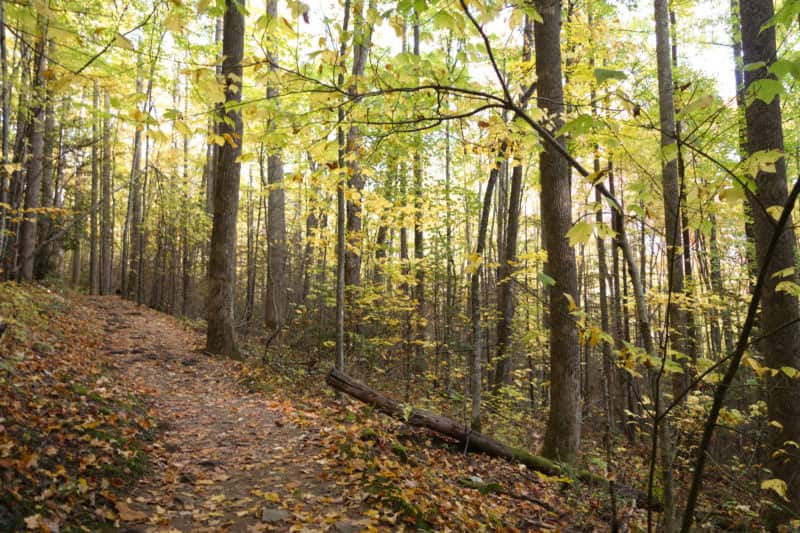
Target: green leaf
(783,273)
(762,161)
(765,89)
(546,280)
(754,66)
(669,152)
(603,74)
(785,15)
(702,102)
(732,195)
(446,21)
(577,126)
(580,233)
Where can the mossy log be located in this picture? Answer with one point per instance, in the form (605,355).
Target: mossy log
(470,440)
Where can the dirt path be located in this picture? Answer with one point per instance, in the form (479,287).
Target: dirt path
(226,459)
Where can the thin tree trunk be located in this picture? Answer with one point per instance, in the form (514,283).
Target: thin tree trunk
(341,206)
(478,347)
(94,256)
(277,293)
(361,45)
(5,101)
(419,236)
(506,304)
(675,333)
(106,223)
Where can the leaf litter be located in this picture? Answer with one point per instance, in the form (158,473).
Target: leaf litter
(146,432)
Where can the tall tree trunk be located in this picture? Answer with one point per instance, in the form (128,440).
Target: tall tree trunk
(419,236)
(675,335)
(478,346)
(5,97)
(27,239)
(129,232)
(212,152)
(221,334)
(450,282)
(277,294)
(562,438)
(250,268)
(94,256)
(106,221)
(362,35)
(187,246)
(44,262)
(341,205)
(137,178)
(693,343)
(16,187)
(505,301)
(779,309)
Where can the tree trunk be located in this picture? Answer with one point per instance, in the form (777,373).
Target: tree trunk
(361,45)
(24,124)
(341,206)
(212,152)
(221,334)
(505,302)
(419,236)
(467,438)
(44,263)
(277,294)
(27,238)
(106,222)
(675,334)
(562,438)
(476,366)
(779,309)
(5,102)
(94,266)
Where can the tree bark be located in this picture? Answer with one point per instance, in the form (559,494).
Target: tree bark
(277,293)
(5,102)
(362,35)
(419,235)
(779,309)
(94,256)
(562,438)
(476,366)
(675,334)
(44,262)
(221,334)
(27,239)
(106,222)
(505,302)
(468,439)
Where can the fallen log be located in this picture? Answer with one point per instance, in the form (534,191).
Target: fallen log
(470,440)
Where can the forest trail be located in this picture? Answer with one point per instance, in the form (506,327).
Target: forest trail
(226,459)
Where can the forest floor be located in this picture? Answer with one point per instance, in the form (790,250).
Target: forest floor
(217,451)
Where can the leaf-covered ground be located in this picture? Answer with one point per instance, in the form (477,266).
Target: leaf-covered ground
(115,419)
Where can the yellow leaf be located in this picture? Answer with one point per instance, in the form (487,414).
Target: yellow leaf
(174,22)
(273,497)
(123,42)
(777,485)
